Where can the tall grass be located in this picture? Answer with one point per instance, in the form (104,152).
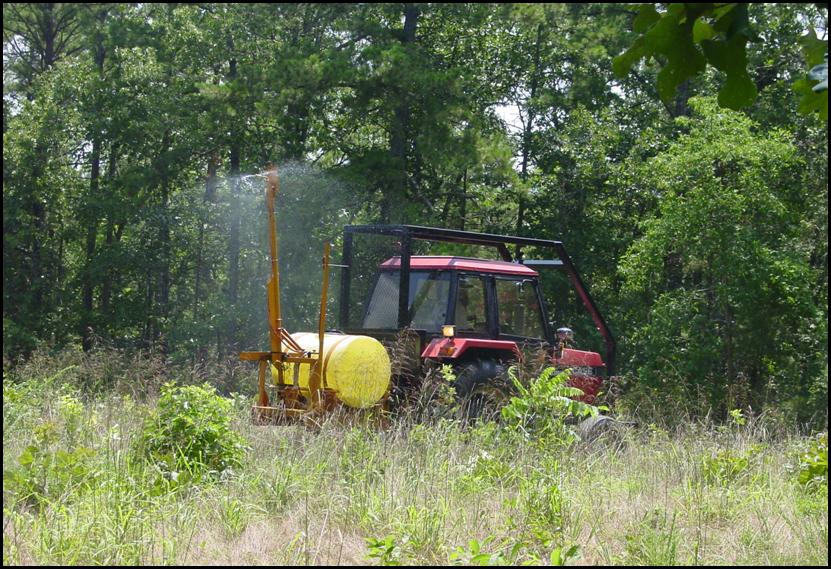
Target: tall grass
(429,492)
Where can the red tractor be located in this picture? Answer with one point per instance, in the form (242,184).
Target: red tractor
(477,315)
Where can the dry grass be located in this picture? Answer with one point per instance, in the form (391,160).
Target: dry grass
(315,498)
(648,504)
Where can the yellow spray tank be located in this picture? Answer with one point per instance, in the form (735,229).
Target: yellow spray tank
(356,368)
(310,372)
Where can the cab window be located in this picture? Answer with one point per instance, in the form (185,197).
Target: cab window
(428,301)
(519,309)
(429,296)
(471,305)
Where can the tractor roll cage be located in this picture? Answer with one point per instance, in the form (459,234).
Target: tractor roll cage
(406,234)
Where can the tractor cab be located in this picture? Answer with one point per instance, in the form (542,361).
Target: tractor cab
(479,299)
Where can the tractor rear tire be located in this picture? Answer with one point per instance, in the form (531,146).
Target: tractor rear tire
(481,387)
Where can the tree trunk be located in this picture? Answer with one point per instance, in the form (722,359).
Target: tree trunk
(297,130)
(163,297)
(682,107)
(107,287)
(234,242)
(149,328)
(49,34)
(93,215)
(92,236)
(395,189)
(202,272)
(527,133)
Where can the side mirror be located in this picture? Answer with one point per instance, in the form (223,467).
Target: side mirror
(564,334)
(562,337)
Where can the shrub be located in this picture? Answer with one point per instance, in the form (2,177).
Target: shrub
(190,433)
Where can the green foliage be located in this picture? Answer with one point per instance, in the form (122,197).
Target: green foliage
(59,457)
(737,417)
(560,556)
(721,244)
(445,396)
(362,464)
(813,464)
(820,73)
(724,467)
(507,554)
(386,551)
(654,541)
(436,493)
(235,515)
(686,37)
(189,435)
(23,399)
(814,88)
(689,36)
(476,554)
(489,470)
(422,528)
(541,507)
(48,472)
(132,219)
(541,409)
(488,552)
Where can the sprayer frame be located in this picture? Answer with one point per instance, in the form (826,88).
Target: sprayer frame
(284,350)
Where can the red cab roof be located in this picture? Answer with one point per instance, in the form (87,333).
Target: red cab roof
(462,264)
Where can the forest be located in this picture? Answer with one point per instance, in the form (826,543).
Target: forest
(678,151)
(129,130)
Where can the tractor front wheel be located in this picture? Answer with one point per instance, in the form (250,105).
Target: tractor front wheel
(603,428)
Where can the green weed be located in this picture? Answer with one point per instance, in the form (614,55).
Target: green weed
(727,466)
(813,463)
(654,541)
(386,551)
(47,472)
(77,491)
(234,515)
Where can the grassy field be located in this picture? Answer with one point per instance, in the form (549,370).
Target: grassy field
(77,490)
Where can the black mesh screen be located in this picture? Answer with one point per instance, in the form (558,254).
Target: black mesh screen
(382,312)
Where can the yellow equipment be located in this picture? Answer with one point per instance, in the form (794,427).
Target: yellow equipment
(313,372)
(356,368)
